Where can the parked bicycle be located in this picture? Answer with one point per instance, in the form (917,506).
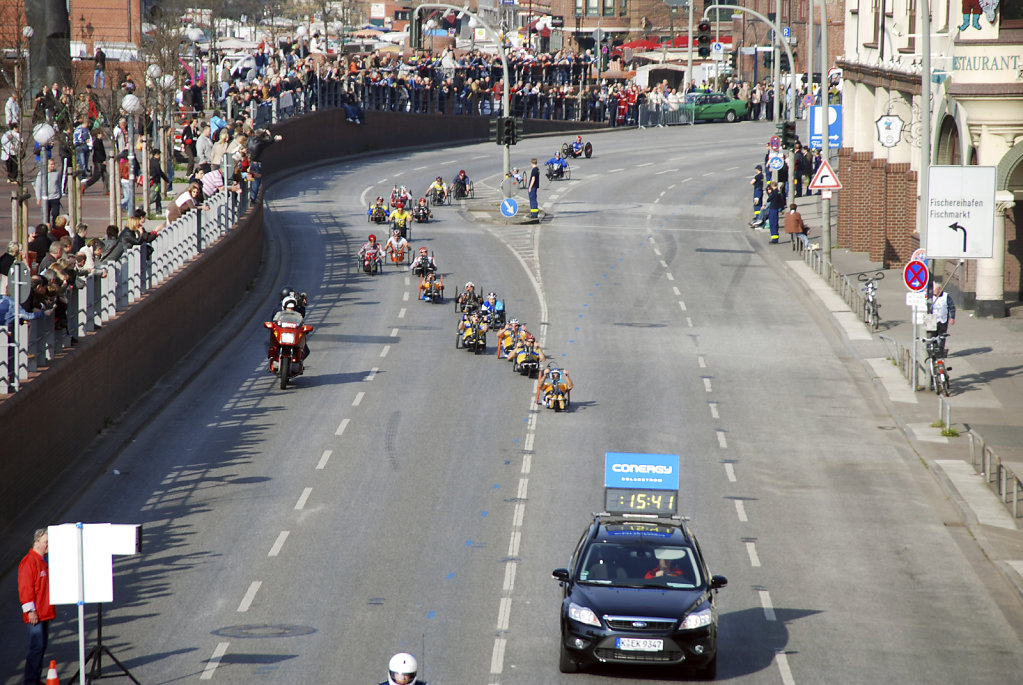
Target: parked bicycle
(936,353)
(871,307)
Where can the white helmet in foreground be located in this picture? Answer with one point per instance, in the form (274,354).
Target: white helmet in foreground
(401,670)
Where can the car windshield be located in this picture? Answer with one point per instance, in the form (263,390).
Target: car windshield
(640,565)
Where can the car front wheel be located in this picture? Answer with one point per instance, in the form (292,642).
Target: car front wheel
(567,663)
(730,116)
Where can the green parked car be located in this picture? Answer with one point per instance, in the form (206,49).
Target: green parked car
(711,106)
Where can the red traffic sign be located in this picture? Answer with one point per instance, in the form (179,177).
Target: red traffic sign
(807,100)
(775,143)
(825,178)
(915,275)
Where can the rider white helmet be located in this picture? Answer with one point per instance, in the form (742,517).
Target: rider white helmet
(402,668)
(469,284)
(289,303)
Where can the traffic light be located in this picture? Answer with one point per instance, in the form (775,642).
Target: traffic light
(703,37)
(768,59)
(783,62)
(415,32)
(507,133)
(788,135)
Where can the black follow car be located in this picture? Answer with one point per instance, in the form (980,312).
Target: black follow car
(638,592)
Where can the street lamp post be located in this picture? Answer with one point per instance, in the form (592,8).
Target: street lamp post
(131,106)
(195,35)
(430,26)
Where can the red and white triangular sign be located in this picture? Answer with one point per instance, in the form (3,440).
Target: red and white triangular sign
(825,178)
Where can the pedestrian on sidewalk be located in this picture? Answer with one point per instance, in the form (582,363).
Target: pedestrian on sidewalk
(533,187)
(775,205)
(944,311)
(157,174)
(802,169)
(99,162)
(36,610)
(794,224)
(50,189)
(12,111)
(758,196)
(99,73)
(10,152)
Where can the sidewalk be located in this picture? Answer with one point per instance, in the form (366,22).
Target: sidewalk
(986,370)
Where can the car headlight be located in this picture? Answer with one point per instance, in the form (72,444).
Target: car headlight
(582,614)
(698,619)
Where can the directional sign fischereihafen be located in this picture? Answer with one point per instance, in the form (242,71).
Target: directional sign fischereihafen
(961,212)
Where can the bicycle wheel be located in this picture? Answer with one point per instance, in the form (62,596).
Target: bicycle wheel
(875,318)
(946,385)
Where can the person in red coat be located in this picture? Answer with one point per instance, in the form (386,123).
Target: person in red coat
(36,610)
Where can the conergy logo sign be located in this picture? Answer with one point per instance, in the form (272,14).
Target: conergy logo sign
(641,470)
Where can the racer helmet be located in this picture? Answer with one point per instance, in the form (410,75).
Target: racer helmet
(513,322)
(422,200)
(372,238)
(380,198)
(579,138)
(399,205)
(530,338)
(422,250)
(289,302)
(470,284)
(491,296)
(286,290)
(438,179)
(402,669)
(396,231)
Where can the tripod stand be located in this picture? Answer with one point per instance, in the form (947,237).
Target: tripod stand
(94,662)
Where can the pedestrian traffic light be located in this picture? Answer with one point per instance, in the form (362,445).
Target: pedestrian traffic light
(788,135)
(703,37)
(783,62)
(415,34)
(508,130)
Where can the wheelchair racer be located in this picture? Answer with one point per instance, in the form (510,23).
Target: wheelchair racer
(492,308)
(554,381)
(508,338)
(557,165)
(371,249)
(468,297)
(471,319)
(396,245)
(423,264)
(527,345)
(421,212)
(461,185)
(379,208)
(438,191)
(577,146)
(400,218)
(429,288)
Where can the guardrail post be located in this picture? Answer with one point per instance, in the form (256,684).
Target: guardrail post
(198,231)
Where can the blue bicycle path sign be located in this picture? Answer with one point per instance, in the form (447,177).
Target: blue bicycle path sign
(509,207)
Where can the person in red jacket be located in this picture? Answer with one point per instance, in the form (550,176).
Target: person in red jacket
(36,610)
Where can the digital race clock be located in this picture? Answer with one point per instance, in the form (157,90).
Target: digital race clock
(640,501)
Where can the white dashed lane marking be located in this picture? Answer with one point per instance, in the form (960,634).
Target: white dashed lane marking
(730,472)
(214,661)
(740,510)
(358,399)
(751,550)
(341,427)
(278,543)
(303,498)
(250,595)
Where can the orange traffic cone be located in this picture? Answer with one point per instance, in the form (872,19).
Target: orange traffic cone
(51,675)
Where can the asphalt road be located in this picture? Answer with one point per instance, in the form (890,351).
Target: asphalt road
(405,495)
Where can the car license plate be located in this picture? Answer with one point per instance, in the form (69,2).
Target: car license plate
(633,644)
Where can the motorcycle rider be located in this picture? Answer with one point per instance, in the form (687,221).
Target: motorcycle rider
(371,250)
(461,185)
(396,245)
(557,165)
(402,670)
(400,218)
(379,208)
(424,263)
(289,308)
(438,190)
(301,299)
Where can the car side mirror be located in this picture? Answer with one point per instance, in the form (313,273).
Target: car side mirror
(718,582)
(561,574)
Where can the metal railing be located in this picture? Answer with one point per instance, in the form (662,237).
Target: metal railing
(665,115)
(97,297)
(999,477)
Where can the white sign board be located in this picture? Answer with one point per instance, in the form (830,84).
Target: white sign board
(916,299)
(377,10)
(100,541)
(961,212)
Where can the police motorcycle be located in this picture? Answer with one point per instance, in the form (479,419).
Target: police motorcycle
(288,350)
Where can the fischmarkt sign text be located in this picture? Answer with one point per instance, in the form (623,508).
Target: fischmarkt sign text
(960,212)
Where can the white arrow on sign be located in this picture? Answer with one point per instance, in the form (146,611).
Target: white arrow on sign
(825,178)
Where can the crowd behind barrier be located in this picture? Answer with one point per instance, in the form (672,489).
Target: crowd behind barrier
(94,298)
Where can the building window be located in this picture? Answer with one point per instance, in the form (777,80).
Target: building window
(608,8)
(623,8)
(578,8)
(591,8)
(722,15)
(1010,14)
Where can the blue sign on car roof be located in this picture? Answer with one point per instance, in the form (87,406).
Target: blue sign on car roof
(641,470)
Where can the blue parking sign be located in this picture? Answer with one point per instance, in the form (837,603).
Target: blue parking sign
(834,126)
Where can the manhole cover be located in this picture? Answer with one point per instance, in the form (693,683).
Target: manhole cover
(264,631)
